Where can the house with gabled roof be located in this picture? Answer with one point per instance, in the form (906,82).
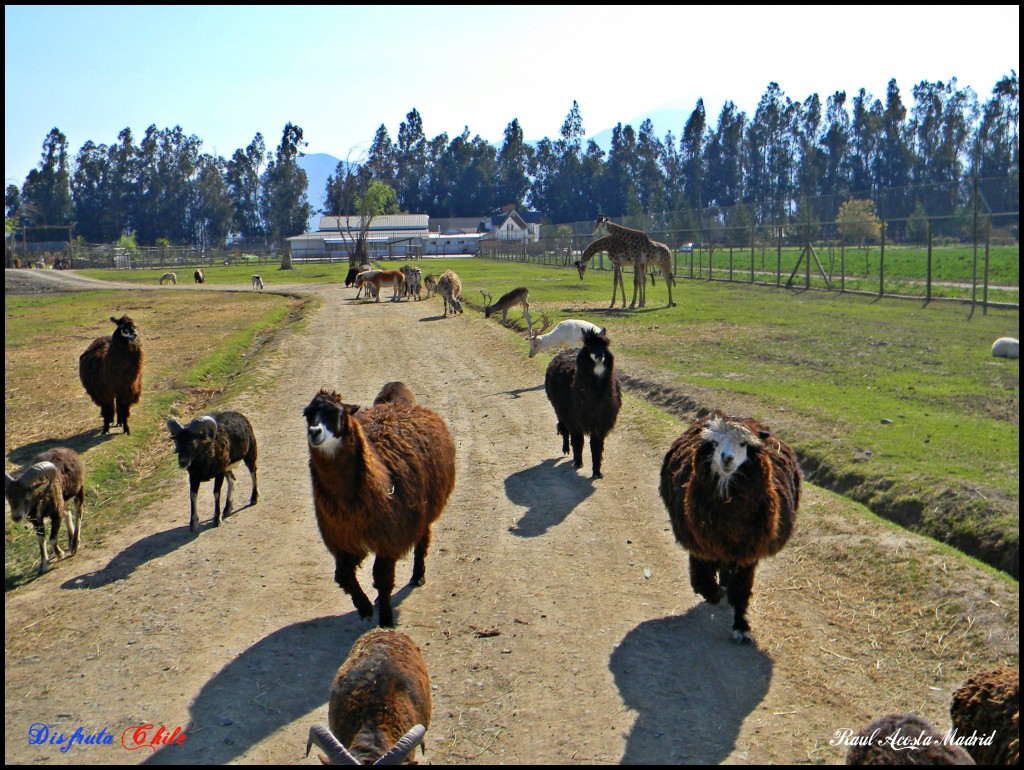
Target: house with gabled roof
(516,225)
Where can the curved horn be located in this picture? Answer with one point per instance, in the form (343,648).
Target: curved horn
(405,746)
(203,426)
(37,471)
(324,739)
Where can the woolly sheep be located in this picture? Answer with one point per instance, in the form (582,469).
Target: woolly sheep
(379,705)
(1006,347)
(990,702)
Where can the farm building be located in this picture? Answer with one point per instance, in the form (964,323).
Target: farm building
(391,235)
(516,226)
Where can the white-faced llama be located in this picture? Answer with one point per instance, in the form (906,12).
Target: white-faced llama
(732,490)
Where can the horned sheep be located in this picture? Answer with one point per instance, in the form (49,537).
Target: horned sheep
(381,477)
(379,705)
(43,491)
(169,277)
(211,447)
(990,702)
(583,387)
(732,490)
(111,372)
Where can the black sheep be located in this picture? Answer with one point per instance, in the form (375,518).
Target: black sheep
(210,447)
(583,388)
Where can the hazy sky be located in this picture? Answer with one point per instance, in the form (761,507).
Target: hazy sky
(225,73)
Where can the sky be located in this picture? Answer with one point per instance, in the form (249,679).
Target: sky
(224,73)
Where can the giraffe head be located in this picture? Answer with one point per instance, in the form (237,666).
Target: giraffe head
(601,219)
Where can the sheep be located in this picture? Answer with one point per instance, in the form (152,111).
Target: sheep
(111,372)
(430,284)
(199,275)
(381,477)
(450,288)
(583,387)
(989,702)
(395,391)
(211,447)
(732,490)
(1006,347)
(42,491)
(517,297)
(257,282)
(379,705)
(568,334)
(169,278)
(903,739)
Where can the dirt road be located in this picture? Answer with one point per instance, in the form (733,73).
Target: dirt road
(557,620)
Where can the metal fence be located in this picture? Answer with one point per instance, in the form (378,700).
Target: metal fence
(966,258)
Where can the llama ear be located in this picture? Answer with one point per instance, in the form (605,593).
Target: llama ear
(351,408)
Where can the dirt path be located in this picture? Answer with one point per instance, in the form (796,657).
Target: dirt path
(235,634)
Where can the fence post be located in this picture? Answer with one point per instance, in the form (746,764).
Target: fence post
(928,268)
(752,236)
(778,257)
(984,289)
(881,264)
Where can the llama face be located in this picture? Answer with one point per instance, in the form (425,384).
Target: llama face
(730,443)
(126,328)
(326,419)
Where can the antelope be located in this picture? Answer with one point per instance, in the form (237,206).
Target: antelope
(516,297)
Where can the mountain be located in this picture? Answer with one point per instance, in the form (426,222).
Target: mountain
(665,119)
(318,166)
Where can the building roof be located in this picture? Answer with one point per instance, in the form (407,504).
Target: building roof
(395,222)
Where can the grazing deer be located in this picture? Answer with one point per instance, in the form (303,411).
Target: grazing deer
(515,298)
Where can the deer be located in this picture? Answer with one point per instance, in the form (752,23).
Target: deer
(517,297)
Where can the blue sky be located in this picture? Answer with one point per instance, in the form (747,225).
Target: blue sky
(225,73)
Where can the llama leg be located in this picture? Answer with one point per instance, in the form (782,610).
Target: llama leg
(384,582)
(345,565)
(107,413)
(419,560)
(123,412)
(741,584)
(577,449)
(560,428)
(596,453)
(218,482)
(704,579)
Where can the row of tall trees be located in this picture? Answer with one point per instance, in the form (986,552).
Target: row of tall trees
(164,188)
(790,158)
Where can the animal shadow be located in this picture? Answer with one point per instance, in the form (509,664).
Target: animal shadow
(690,685)
(433,318)
(80,442)
(131,558)
(280,678)
(518,392)
(549,494)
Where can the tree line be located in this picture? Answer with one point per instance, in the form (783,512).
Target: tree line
(789,159)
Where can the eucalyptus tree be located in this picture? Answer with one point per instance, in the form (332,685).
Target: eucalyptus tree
(725,158)
(512,172)
(283,202)
(996,150)
(810,160)
(243,175)
(46,194)
(770,155)
(212,209)
(834,146)
(411,163)
(942,116)
(381,160)
(648,176)
(894,162)
(168,159)
(617,182)
(692,152)
(865,129)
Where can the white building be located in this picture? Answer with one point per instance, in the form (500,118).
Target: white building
(397,236)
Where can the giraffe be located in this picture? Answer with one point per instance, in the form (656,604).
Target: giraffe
(643,252)
(618,258)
